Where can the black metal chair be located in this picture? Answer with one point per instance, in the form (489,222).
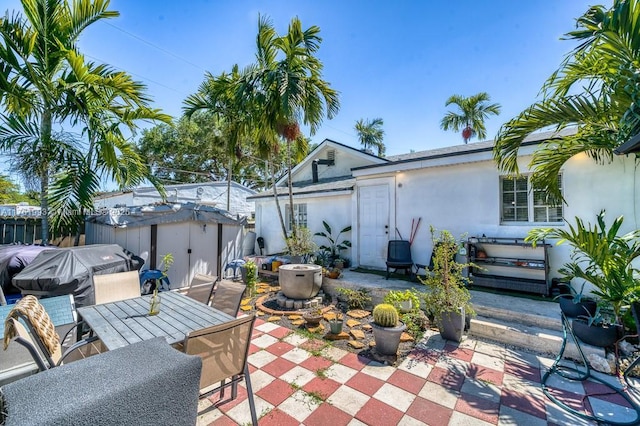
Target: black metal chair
(399,256)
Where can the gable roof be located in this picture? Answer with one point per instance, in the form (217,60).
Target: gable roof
(307,188)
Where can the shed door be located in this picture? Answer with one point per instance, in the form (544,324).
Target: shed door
(174,238)
(373,212)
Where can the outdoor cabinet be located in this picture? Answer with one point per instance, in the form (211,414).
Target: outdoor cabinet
(509,264)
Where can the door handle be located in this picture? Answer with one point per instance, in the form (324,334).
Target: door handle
(386,227)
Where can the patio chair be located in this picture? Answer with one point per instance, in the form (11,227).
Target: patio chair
(201,288)
(224,349)
(39,336)
(399,256)
(114,287)
(227,297)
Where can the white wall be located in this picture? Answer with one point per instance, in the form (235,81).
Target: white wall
(335,209)
(345,160)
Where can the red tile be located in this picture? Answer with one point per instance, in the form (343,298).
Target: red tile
(479,372)
(279,348)
(480,408)
(407,381)
(429,412)
(376,412)
(278,367)
(324,387)
(327,414)
(354,361)
(256,333)
(259,321)
(524,402)
(313,345)
(252,369)
(223,421)
(458,353)
(446,378)
(276,392)
(364,383)
(603,392)
(522,371)
(229,404)
(277,417)
(280,332)
(315,363)
(253,349)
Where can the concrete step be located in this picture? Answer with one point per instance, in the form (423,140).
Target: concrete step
(531,337)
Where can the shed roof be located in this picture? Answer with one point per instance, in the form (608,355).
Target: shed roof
(629,147)
(154,214)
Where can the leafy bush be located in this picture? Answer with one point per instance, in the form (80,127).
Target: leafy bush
(356,299)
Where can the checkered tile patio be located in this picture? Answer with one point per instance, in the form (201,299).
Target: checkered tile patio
(297,381)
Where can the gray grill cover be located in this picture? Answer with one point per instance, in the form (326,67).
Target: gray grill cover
(71,270)
(14,258)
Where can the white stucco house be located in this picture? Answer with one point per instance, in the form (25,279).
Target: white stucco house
(457,188)
(206,193)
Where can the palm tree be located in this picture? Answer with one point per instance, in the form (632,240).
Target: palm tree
(601,101)
(370,134)
(47,84)
(287,83)
(474,110)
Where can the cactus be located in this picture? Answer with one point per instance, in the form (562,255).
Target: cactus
(385,315)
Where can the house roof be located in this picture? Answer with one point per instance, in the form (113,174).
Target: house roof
(154,214)
(148,189)
(334,185)
(629,147)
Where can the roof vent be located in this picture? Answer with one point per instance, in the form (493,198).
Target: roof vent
(331,156)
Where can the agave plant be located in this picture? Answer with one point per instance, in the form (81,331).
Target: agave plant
(601,257)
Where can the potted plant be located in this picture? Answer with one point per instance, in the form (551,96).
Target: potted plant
(301,247)
(387,329)
(336,323)
(312,317)
(335,245)
(404,301)
(597,329)
(448,300)
(154,302)
(575,303)
(602,258)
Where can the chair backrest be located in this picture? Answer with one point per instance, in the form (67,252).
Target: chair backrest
(399,251)
(23,337)
(40,329)
(201,288)
(223,348)
(227,297)
(113,287)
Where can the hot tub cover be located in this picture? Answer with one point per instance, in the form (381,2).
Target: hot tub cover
(71,270)
(14,258)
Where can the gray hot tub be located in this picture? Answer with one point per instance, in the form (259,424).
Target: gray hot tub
(299,281)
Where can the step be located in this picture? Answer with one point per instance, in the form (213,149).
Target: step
(538,339)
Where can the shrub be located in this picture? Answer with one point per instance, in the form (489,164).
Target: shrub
(356,299)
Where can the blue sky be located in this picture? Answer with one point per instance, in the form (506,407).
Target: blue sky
(396,60)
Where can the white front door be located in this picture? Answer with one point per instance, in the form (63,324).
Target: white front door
(373,215)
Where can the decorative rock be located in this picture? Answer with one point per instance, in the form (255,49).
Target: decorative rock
(259,313)
(298,322)
(355,344)
(246,308)
(353,323)
(406,337)
(626,348)
(313,303)
(289,303)
(294,317)
(261,290)
(306,304)
(372,344)
(341,336)
(357,334)
(297,304)
(245,301)
(367,327)
(358,313)
(274,319)
(599,364)
(318,329)
(329,316)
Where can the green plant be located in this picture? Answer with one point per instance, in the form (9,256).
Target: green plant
(601,257)
(335,245)
(396,297)
(447,285)
(165,263)
(356,299)
(576,296)
(300,243)
(385,315)
(251,270)
(416,322)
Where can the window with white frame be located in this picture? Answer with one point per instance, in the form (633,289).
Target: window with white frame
(299,216)
(521,202)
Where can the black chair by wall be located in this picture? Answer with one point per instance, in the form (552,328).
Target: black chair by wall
(399,256)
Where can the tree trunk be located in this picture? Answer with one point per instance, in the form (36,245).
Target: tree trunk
(45,140)
(229,172)
(294,225)
(275,194)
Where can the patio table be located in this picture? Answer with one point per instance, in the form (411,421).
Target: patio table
(124,322)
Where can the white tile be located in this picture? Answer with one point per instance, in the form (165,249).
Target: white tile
(468,343)
(520,385)
(340,373)
(264,341)
(261,358)
(519,356)
(333,353)
(260,379)
(555,381)
(460,419)
(416,367)
(439,394)
(559,416)
(453,364)
(510,417)
(241,413)
(295,339)
(348,400)
(298,375)
(356,422)
(613,412)
(299,405)
(395,397)
(481,389)
(267,327)
(207,414)
(491,349)
(409,421)
(379,371)
(490,361)
(296,355)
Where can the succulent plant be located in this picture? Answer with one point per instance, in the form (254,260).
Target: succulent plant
(385,315)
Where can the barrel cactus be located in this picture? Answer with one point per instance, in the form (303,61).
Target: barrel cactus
(385,315)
